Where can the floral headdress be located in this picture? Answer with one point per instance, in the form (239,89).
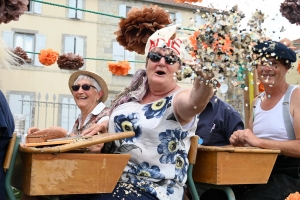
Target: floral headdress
(165,38)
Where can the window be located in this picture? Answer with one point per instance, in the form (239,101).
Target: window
(173,17)
(74,44)
(124,9)
(18,103)
(27,41)
(69,112)
(199,21)
(75,14)
(120,54)
(34,7)
(178,18)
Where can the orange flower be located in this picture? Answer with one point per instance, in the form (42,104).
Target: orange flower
(120,68)
(48,57)
(204,45)
(227,45)
(193,39)
(298,69)
(293,196)
(193,54)
(261,87)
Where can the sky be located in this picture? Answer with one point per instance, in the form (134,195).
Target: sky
(271,8)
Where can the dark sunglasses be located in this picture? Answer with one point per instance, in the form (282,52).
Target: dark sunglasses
(85,87)
(170,59)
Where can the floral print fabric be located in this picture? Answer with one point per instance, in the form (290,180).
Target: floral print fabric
(159,149)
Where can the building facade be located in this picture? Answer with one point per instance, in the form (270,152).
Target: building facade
(41,92)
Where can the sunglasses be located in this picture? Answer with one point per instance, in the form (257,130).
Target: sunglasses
(170,59)
(85,87)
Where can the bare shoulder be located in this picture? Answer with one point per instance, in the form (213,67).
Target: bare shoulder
(296,94)
(294,102)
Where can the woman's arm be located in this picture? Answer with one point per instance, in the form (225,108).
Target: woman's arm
(189,102)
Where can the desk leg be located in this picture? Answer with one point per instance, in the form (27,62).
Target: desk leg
(225,188)
(191,183)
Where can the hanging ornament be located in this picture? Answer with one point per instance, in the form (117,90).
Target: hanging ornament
(119,68)
(48,57)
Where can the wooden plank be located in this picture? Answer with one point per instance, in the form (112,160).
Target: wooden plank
(97,139)
(9,152)
(39,144)
(193,149)
(244,168)
(76,173)
(224,168)
(232,149)
(246,104)
(205,170)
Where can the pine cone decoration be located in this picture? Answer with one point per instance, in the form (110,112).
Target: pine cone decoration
(12,9)
(290,9)
(22,54)
(139,25)
(70,61)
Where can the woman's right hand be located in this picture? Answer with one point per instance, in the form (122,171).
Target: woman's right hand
(32,130)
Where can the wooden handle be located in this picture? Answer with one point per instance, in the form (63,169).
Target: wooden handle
(232,149)
(193,149)
(97,139)
(9,152)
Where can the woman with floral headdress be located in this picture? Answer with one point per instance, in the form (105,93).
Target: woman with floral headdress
(162,115)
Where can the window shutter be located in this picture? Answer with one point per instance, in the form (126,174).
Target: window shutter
(69,44)
(37,7)
(122,10)
(8,38)
(178,17)
(40,43)
(130,56)
(118,52)
(72,12)
(79,13)
(79,46)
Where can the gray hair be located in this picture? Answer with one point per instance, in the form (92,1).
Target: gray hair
(93,81)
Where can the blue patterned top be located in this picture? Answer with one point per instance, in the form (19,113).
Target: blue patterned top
(159,149)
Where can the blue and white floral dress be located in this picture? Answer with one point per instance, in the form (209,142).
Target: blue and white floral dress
(159,149)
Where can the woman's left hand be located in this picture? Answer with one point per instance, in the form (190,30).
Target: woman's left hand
(95,148)
(96,129)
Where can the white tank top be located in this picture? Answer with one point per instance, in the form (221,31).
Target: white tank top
(269,124)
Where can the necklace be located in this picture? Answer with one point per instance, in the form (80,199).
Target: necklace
(269,96)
